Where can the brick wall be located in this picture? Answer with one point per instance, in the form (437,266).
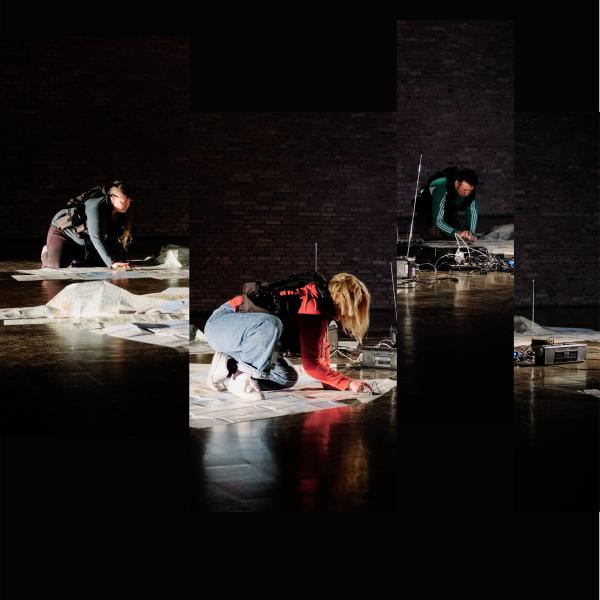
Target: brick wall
(270,185)
(455,106)
(79,109)
(557,209)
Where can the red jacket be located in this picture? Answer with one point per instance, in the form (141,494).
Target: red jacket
(314,339)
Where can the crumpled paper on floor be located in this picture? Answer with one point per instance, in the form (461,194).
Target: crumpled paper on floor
(500,232)
(102,302)
(198,343)
(173,255)
(525,330)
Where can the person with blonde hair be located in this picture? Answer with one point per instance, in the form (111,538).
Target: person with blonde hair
(250,332)
(93,230)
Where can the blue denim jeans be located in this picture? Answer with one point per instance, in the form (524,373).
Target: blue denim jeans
(251,338)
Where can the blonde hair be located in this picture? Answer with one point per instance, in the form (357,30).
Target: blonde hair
(352,301)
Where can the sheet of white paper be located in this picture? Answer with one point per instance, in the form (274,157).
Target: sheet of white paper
(174,255)
(129,274)
(102,302)
(208,408)
(164,271)
(33,312)
(506,247)
(200,347)
(94,322)
(525,330)
(174,334)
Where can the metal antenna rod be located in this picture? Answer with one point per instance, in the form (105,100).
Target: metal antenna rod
(394,291)
(413,211)
(533,307)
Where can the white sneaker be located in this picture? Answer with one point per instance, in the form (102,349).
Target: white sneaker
(240,384)
(218,372)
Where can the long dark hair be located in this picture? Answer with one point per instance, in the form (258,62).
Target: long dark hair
(126,236)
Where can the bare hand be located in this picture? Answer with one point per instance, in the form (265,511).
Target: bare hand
(467,235)
(120,265)
(358,386)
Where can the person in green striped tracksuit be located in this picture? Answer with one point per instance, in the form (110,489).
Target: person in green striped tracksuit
(450,194)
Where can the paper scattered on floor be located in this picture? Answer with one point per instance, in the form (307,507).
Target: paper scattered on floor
(209,408)
(504,232)
(525,330)
(498,240)
(505,247)
(173,255)
(172,334)
(95,322)
(198,344)
(100,301)
(162,271)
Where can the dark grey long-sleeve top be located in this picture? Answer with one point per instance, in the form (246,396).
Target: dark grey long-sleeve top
(100,228)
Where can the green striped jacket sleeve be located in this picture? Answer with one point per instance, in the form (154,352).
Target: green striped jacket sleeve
(439,195)
(472,214)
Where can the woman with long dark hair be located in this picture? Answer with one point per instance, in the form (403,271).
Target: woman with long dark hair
(94,230)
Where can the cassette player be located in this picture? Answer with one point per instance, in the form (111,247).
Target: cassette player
(554,354)
(378,357)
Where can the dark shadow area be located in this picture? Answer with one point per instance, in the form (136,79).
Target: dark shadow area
(557,241)
(556,435)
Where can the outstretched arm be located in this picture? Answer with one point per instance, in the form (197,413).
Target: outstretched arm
(95,227)
(315,356)
(439,202)
(472,214)
(315,352)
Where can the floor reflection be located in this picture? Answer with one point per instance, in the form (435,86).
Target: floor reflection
(331,460)
(557,435)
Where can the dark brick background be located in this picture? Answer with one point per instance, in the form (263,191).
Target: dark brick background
(270,185)
(455,106)
(79,109)
(557,209)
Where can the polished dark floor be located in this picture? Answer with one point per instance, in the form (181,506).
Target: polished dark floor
(455,391)
(88,422)
(556,425)
(57,380)
(538,452)
(455,350)
(342,459)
